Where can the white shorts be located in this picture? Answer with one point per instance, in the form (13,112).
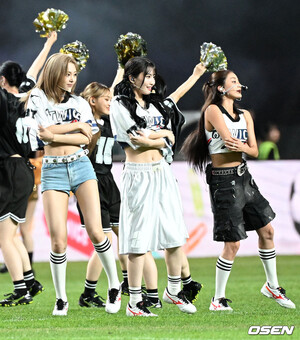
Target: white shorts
(151,216)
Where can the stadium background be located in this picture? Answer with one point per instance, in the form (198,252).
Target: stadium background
(259,38)
(261,42)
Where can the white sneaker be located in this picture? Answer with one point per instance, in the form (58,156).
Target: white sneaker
(60,308)
(278,294)
(220,304)
(113,302)
(138,310)
(180,300)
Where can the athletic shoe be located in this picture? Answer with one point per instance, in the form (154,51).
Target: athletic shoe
(91,301)
(192,290)
(151,302)
(180,300)
(220,304)
(60,308)
(14,299)
(124,288)
(3,269)
(278,294)
(113,302)
(36,289)
(138,310)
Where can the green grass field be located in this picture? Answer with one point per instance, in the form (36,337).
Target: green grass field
(35,321)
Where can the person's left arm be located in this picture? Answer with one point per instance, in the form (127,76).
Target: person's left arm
(189,83)
(250,148)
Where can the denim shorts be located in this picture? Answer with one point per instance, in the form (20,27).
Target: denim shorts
(66,177)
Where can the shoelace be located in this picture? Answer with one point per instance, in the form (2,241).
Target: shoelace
(98,297)
(223,301)
(182,296)
(282,291)
(113,293)
(60,304)
(142,306)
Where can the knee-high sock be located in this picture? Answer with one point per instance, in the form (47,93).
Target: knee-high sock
(135,294)
(107,257)
(223,269)
(174,283)
(268,259)
(58,265)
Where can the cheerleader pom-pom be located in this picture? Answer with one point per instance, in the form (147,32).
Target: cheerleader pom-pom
(49,21)
(212,57)
(128,46)
(79,51)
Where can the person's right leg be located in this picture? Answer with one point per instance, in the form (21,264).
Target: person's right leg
(136,306)
(56,209)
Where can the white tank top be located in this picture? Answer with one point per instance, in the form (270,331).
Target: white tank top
(237,128)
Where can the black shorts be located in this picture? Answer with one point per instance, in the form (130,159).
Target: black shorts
(236,202)
(110,201)
(16,185)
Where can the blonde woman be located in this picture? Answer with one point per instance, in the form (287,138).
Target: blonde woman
(66,124)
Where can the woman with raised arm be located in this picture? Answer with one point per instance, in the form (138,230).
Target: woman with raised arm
(223,135)
(66,125)
(16,175)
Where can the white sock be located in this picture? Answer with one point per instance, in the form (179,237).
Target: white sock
(135,294)
(268,259)
(223,269)
(107,257)
(174,284)
(58,265)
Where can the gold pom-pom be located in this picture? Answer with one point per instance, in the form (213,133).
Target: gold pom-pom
(128,46)
(212,57)
(79,51)
(49,21)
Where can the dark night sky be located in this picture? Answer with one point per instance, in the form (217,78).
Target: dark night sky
(260,39)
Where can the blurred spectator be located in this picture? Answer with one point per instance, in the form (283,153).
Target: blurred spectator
(268,149)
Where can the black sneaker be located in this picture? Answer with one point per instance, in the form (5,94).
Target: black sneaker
(14,299)
(124,288)
(94,301)
(36,288)
(192,290)
(3,269)
(151,302)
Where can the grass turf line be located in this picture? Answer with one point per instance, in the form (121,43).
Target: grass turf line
(35,321)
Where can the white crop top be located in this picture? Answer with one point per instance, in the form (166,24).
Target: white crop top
(122,124)
(237,128)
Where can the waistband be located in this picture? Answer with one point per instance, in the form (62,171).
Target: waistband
(65,159)
(236,170)
(144,166)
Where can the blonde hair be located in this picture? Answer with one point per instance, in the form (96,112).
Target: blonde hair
(95,90)
(56,67)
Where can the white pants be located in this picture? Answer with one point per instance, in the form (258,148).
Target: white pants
(151,216)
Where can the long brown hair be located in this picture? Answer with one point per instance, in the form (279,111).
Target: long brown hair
(55,68)
(195,147)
